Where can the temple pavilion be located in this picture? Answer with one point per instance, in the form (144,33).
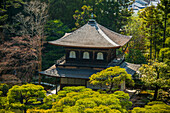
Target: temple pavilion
(88,50)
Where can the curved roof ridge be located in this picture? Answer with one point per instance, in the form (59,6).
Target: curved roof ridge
(92,36)
(116,32)
(115,37)
(65,35)
(106,37)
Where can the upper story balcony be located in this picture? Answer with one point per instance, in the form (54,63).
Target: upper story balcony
(62,62)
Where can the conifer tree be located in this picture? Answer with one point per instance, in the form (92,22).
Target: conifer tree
(6,8)
(25,96)
(83,16)
(155,75)
(112,14)
(164,7)
(111,77)
(151,25)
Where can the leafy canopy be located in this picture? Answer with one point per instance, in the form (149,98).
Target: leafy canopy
(150,73)
(156,75)
(55,28)
(84,100)
(133,28)
(83,16)
(135,56)
(153,107)
(22,96)
(111,76)
(165,52)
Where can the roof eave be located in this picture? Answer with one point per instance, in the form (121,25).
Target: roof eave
(42,73)
(56,44)
(130,37)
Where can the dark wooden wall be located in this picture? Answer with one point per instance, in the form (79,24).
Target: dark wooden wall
(108,55)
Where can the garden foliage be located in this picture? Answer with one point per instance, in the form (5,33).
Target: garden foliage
(84,100)
(153,107)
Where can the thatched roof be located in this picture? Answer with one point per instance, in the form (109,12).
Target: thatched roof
(92,35)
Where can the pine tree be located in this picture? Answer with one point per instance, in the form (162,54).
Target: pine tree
(111,77)
(155,75)
(164,7)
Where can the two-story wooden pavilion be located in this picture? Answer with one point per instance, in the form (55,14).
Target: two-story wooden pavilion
(88,50)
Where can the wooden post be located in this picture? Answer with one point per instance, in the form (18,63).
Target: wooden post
(56,84)
(107,56)
(93,55)
(79,55)
(39,79)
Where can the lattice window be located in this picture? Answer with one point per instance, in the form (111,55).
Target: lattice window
(86,55)
(100,56)
(72,54)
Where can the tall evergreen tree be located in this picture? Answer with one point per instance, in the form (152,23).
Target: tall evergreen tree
(83,16)
(64,10)
(151,25)
(133,28)
(8,8)
(112,14)
(164,7)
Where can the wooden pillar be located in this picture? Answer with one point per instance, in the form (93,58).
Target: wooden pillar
(107,56)
(86,83)
(115,54)
(39,78)
(56,84)
(93,55)
(79,55)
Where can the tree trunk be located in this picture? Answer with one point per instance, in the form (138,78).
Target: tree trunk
(25,109)
(155,47)
(157,87)
(21,99)
(151,44)
(5,4)
(164,38)
(39,59)
(56,85)
(150,48)
(156,93)
(111,86)
(155,40)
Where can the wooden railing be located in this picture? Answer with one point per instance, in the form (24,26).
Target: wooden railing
(60,60)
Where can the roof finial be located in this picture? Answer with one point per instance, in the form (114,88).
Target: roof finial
(92,15)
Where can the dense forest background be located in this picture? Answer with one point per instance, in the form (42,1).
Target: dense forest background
(26,26)
(38,22)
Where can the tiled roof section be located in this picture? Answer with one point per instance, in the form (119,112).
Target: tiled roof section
(130,68)
(115,37)
(69,73)
(92,36)
(85,73)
